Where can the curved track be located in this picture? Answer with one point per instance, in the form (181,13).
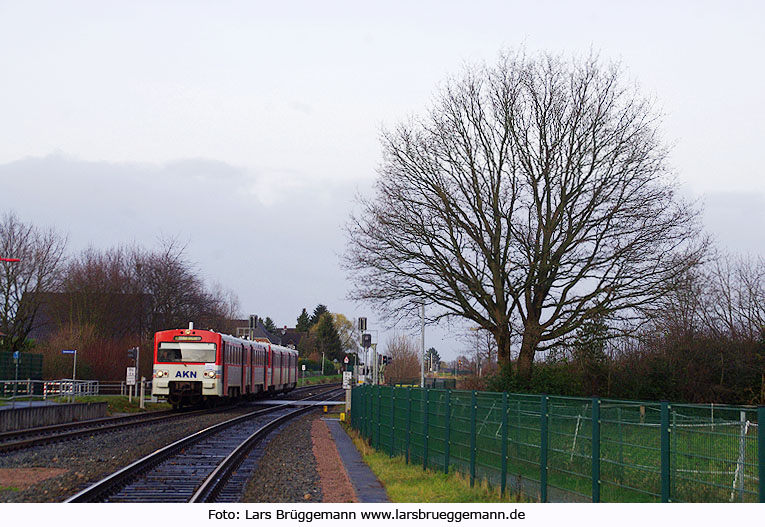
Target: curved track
(31,437)
(195,468)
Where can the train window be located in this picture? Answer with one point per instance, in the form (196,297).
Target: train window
(186,352)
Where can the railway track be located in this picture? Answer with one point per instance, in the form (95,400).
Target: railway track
(197,468)
(31,437)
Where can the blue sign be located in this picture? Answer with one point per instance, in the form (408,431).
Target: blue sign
(69,352)
(15,355)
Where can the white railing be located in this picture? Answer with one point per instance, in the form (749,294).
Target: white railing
(20,389)
(69,387)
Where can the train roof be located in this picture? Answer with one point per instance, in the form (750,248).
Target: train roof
(230,338)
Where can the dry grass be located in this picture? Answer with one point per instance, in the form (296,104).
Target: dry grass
(407,483)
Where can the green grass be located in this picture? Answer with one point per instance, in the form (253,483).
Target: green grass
(409,483)
(120,404)
(325,379)
(115,403)
(703,461)
(7,489)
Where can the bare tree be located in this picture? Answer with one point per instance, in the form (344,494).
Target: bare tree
(175,291)
(404,363)
(483,348)
(734,300)
(100,289)
(535,188)
(41,254)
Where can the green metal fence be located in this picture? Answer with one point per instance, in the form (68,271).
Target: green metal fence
(572,449)
(29,368)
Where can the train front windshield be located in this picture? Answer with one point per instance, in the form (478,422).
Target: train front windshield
(186,352)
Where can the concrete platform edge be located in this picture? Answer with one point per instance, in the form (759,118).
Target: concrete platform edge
(368,488)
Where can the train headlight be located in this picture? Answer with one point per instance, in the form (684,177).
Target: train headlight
(161,373)
(209,374)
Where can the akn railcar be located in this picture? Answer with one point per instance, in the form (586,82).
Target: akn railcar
(193,366)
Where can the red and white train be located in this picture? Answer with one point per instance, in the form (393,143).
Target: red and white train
(193,366)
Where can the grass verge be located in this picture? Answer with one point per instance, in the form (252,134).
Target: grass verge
(120,404)
(408,483)
(325,379)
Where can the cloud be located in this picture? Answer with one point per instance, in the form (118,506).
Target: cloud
(736,220)
(271,235)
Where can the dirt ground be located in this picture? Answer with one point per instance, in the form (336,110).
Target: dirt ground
(22,478)
(335,485)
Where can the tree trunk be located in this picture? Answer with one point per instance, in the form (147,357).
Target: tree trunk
(531,338)
(502,336)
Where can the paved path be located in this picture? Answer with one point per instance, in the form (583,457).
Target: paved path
(26,404)
(368,487)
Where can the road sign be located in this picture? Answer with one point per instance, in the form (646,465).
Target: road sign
(69,352)
(345,360)
(347,379)
(130,377)
(303,367)
(15,357)
(363,323)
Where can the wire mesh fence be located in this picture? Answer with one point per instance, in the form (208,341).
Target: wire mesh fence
(571,449)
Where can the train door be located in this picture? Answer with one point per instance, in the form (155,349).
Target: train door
(251,368)
(270,368)
(225,359)
(281,367)
(293,368)
(243,362)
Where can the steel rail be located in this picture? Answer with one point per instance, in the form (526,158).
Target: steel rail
(48,434)
(112,483)
(211,487)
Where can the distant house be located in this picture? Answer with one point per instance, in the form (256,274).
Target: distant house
(289,337)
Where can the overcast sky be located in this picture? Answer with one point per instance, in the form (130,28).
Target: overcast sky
(245,128)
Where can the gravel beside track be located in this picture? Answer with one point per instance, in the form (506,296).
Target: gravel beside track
(286,471)
(89,459)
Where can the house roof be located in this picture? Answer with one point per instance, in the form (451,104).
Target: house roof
(289,337)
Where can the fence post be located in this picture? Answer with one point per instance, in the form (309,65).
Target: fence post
(392,420)
(408,419)
(369,414)
(595,450)
(425,429)
(473,407)
(543,448)
(621,444)
(448,432)
(665,452)
(379,415)
(503,449)
(761,450)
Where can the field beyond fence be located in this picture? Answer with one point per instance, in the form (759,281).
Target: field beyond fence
(571,449)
